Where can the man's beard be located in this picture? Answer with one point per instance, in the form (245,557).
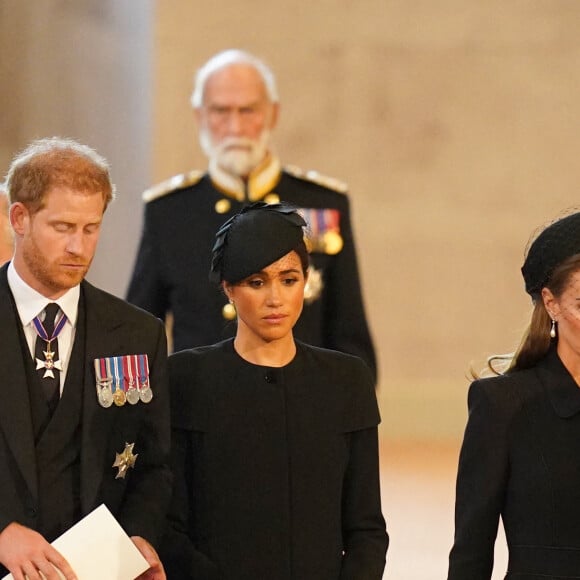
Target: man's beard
(236,155)
(47,272)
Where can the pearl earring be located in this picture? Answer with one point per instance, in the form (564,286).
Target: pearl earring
(553,329)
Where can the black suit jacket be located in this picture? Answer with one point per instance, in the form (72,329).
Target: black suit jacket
(138,501)
(173,262)
(520,461)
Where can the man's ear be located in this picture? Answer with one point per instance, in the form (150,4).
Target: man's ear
(275,115)
(19,218)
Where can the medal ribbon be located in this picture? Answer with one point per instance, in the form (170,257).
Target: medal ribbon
(58,326)
(119,377)
(332,217)
(143,370)
(101,370)
(127,370)
(320,220)
(134,368)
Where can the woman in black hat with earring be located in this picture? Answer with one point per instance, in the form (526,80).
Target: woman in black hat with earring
(520,457)
(274,442)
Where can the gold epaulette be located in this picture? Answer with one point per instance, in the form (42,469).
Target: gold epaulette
(318,178)
(172,184)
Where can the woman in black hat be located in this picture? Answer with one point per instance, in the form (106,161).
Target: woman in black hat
(275,442)
(520,457)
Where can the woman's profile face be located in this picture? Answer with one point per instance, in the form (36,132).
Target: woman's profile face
(566,311)
(269,302)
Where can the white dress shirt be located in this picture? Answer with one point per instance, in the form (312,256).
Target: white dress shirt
(31,303)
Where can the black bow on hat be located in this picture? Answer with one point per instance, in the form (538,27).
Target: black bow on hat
(254,238)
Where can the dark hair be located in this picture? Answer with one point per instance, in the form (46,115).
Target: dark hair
(302,252)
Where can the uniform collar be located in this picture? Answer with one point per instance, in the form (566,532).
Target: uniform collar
(562,389)
(30,303)
(260,182)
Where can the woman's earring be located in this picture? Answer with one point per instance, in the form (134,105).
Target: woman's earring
(229,310)
(553,329)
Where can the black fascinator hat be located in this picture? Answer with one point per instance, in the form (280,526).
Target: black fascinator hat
(556,243)
(254,238)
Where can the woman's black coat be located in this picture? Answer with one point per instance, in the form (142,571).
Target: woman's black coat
(276,469)
(520,460)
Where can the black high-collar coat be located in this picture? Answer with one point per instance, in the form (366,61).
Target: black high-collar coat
(276,469)
(520,461)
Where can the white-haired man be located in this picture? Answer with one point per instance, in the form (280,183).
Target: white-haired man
(236,104)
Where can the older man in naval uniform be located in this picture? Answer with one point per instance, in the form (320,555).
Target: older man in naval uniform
(84,417)
(236,104)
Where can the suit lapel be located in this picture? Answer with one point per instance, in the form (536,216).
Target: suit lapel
(15,418)
(101,339)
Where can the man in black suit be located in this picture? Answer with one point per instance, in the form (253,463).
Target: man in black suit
(84,409)
(236,105)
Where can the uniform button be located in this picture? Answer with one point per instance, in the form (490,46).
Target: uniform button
(223,206)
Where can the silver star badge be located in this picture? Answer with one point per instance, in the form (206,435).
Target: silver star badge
(125,460)
(48,364)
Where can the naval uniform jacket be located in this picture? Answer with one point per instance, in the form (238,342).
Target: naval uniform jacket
(173,261)
(520,460)
(111,328)
(276,469)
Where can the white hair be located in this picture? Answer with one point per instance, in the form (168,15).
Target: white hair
(227,58)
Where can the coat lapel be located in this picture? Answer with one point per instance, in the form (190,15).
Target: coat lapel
(102,338)
(559,384)
(15,418)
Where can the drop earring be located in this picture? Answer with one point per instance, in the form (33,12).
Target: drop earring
(553,329)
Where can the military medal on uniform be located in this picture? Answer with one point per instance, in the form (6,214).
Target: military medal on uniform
(324,227)
(49,364)
(131,371)
(332,239)
(119,397)
(122,379)
(104,381)
(125,460)
(145,392)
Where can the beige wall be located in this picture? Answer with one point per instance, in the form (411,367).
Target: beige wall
(81,69)
(455,124)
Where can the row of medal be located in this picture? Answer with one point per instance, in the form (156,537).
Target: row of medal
(323,224)
(324,230)
(123,379)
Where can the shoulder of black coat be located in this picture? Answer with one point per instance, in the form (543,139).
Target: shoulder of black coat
(317,178)
(172,184)
(515,386)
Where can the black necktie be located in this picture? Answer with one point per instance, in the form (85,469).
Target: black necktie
(50,380)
